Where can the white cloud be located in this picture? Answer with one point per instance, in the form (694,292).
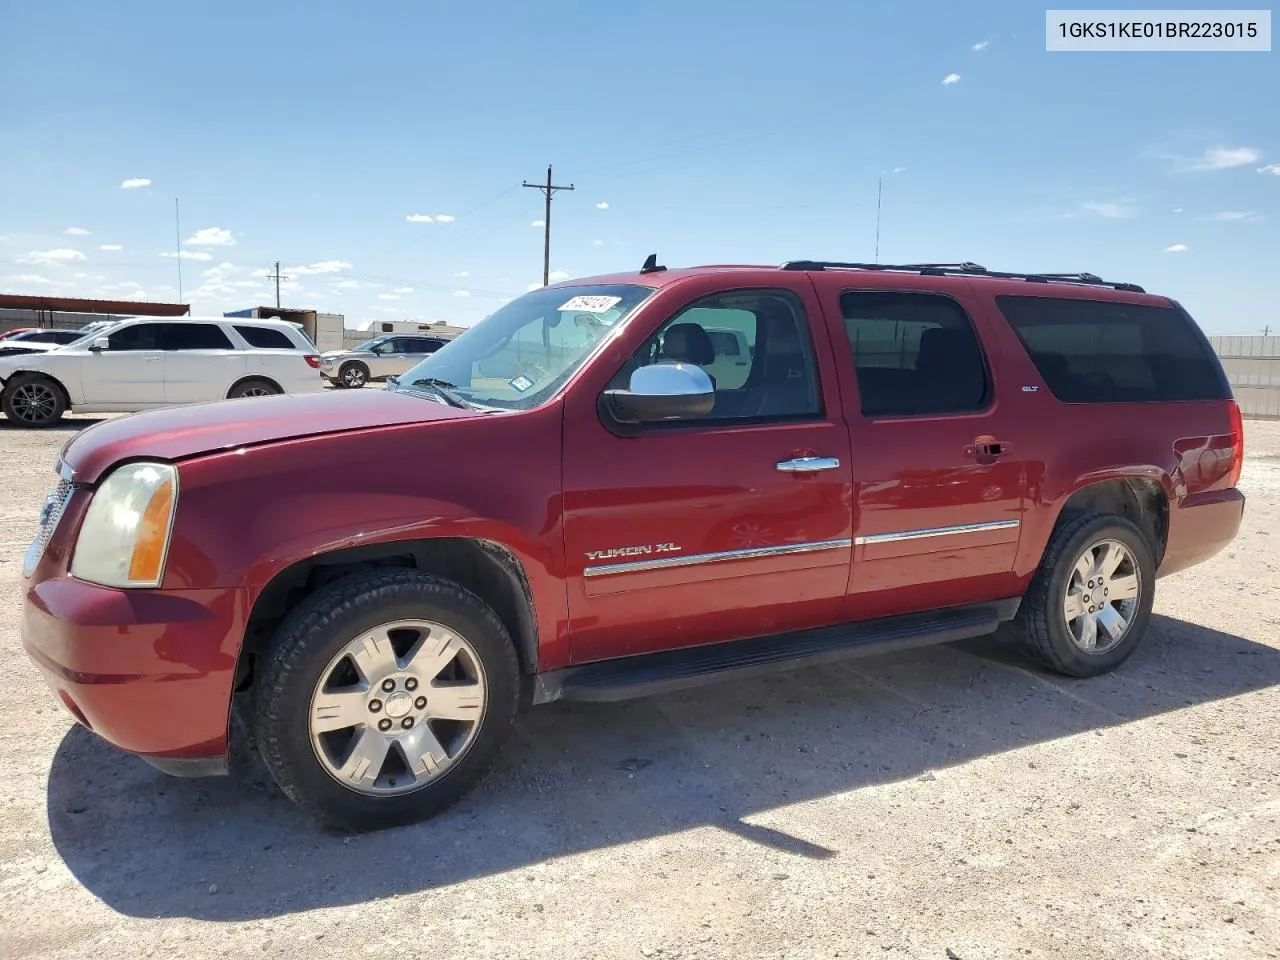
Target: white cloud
(462,293)
(29,279)
(1233,216)
(188,255)
(1111,211)
(602,205)
(211,237)
(76,232)
(950,78)
(1271,168)
(1177,209)
(445,218)
(48,257)
(1176,248)
(534,286)
(898,170)
(128,285)
(221,272)
(538,223)
(404,289)
(557,275)
(111,247)
(347,285)
(324,266)
(247,284)
(1225,158)
(462,273)
(420,218)
(597,243)
(135,183)
(387,296)
(982,45)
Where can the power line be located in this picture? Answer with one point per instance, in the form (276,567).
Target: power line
(548,190)
(277,277)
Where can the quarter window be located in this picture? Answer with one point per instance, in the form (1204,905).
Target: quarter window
(915,354)
(265,338)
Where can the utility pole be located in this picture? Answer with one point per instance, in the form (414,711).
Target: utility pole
(879,194)
(277,277)
(548,189)
(177,231)
(1266,331)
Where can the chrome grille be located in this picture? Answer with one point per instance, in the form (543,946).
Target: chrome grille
(55,504)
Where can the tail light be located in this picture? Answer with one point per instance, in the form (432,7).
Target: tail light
(1237,445)
(313,360)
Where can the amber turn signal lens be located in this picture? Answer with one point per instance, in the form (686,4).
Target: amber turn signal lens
(153,535)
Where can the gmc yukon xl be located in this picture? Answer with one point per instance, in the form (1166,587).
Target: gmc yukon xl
(588,496)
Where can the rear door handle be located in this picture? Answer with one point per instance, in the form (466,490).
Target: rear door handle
(809,464)
(986,448)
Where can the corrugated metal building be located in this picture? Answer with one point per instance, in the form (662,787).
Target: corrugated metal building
(1253,366)
(71,313)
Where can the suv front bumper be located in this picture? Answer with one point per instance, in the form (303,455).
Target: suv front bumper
(149,671)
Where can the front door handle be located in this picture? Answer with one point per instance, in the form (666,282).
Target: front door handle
(808,464)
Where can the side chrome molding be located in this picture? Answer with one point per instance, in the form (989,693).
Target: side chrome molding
(696,559)
(937,532)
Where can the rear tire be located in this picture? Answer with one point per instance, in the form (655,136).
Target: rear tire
(33,400)
(1090,602)
(353,374)
(385,697)
(254,387)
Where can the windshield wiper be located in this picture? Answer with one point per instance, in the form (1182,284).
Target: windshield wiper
(443,389)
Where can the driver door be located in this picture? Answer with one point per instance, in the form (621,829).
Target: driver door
(716,528)
(130,373)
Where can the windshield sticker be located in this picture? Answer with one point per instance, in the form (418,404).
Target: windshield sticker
(592,304)
(520,383)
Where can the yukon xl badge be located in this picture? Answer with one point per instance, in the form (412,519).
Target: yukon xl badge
(639,551)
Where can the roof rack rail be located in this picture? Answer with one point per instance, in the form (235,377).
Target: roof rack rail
(963,269)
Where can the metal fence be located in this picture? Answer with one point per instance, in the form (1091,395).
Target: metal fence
(1253,367)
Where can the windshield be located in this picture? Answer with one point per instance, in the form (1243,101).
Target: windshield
(518,356)
(370,344)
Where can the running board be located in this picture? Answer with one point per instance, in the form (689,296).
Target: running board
(648,674)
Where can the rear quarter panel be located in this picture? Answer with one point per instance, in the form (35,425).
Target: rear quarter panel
(244,515)
(1182,447)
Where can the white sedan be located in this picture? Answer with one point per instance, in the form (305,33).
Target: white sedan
(138,364)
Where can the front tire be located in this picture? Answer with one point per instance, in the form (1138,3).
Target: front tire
(1090,602)
(33,401)
(386,696)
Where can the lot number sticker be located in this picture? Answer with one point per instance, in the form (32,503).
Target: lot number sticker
(592,304)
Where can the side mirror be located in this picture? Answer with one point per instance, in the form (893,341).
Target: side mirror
(662,391)
(101,343)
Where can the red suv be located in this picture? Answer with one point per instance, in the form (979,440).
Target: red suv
(623,486)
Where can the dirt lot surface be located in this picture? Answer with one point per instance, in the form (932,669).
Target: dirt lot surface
(951,802)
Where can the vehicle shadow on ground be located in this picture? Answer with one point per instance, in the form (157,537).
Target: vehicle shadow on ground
(582,777)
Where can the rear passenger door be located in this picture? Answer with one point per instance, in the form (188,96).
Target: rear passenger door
(939,484)
(201,363)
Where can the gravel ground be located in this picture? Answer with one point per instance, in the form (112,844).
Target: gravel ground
(951,802)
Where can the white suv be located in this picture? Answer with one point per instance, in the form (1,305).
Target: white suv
(143,363)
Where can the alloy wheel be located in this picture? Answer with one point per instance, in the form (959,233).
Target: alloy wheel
(1102,596)
(34,402)
(397,707)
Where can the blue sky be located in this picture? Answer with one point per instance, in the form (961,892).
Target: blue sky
(709,132)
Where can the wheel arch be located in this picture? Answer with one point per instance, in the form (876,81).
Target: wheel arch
(44,375)
(485,567)
(251,377)
(1140,495)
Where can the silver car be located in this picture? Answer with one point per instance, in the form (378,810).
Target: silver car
(387,356)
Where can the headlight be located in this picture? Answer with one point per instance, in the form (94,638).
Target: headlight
(124,539)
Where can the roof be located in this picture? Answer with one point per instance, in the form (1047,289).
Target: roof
(131,308)
(908,276)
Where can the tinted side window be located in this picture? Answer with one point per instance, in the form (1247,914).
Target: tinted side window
(265,338)
(781,380)
(194,336)
(140,336)
(915,354)
(1098,351)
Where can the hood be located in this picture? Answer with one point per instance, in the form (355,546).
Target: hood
(176,433)
(339,354)
(13,349)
